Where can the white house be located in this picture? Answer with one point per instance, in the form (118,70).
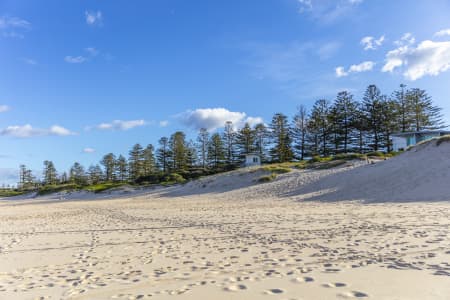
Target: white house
(252,159)
(401,141)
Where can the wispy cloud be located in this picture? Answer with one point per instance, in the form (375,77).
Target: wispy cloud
(362,67)
(91,52)
(29,61)
(443,32)
(117,125)
(428,58)
(75,59)
(88,150)
(327,11)
(28,131)
(371,43)
(94,17)
(4,108)
(214,118)
(164,123)
(407,39)
(13,27)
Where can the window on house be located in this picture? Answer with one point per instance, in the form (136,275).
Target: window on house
(255,159)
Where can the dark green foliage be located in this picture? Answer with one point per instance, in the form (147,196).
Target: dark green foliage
(267,178)
(443,139)
(280,134)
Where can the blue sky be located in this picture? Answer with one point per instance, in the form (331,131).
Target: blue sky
(79,79)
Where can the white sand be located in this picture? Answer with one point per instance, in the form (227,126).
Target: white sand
(227,237)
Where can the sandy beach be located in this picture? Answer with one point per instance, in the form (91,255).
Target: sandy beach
(241,241)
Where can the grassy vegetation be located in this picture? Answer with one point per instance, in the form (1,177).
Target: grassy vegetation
(50,189)
(101,187)
(267,178)
(443,139)
(277,169)
(11,192)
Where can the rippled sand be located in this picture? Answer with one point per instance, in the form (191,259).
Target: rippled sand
(223,247)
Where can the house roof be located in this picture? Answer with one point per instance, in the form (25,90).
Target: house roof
(403,134)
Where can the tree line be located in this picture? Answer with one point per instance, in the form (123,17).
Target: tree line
(344,125)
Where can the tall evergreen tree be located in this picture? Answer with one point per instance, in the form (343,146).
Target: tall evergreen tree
(121,168)
(373,113)
(320,125)
(136,162)
(216,151)
(50,174)
(191,155)
(77,174)
(229,138)
(202,141)
(300,132)
(245,140)
(149,164)
(178,149)
(390,117)
(404,109)
(425,115)
(344,111)
(163,155)
(280,133)
(95,174)
(261,135)
(109,164)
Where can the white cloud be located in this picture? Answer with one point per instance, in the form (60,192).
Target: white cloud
(13,27)
(214,118)
(121,125)
(4,108)
(340,72)
(370,43)
(362,67)
(88,150)
(328,11)
(327,50)
(94,18)
(443,32)
(27,131)
(75,59)
(29,61)
(406,39)
(91,52)
(164,123)
(428,58)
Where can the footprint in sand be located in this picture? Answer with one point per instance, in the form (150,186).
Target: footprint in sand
(302,279)
(334,285)
(235,288)
(274,292)
(353,294)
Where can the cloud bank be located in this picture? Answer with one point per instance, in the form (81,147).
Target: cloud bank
(214,118)
(28,131)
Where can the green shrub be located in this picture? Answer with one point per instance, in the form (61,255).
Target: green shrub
(443,139)
(101,187)
(50,189)
(267,178)
(277,169)
(173,178)
(348,156)
(376,154)
(11,192)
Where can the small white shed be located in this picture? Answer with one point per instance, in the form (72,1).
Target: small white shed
(403,140)
(252,159)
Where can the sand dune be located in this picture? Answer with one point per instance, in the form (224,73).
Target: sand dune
(229,237)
